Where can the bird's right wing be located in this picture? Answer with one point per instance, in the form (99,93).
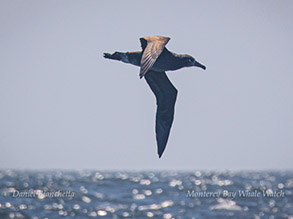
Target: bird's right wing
(152,48)
(166,94)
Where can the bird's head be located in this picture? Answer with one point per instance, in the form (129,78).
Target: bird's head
(190,61)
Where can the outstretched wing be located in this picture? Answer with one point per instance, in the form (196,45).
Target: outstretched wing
(152,48)
(166,94)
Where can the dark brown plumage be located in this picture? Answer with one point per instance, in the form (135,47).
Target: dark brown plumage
(154,60)
(153,47)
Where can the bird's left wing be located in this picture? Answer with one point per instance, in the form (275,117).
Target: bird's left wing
(166,94)
(152,48)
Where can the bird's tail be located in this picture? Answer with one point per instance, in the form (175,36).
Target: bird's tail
(115,56)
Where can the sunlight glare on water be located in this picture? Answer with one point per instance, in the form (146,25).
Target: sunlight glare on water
(198,194)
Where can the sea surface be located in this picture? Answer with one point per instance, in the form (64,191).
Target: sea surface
(147,194)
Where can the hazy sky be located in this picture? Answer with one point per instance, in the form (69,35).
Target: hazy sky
(62,105)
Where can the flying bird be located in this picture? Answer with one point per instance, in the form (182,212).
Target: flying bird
(154,60)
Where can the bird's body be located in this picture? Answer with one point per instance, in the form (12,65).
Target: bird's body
(154,60)
(167,61)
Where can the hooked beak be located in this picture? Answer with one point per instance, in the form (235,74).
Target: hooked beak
(197,64)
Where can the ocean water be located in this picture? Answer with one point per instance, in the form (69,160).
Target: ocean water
(147,194)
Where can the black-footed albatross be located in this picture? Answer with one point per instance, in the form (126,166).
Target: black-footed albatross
(154,60)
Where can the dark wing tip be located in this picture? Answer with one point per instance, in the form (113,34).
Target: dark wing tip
(161,147)
(143,43)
